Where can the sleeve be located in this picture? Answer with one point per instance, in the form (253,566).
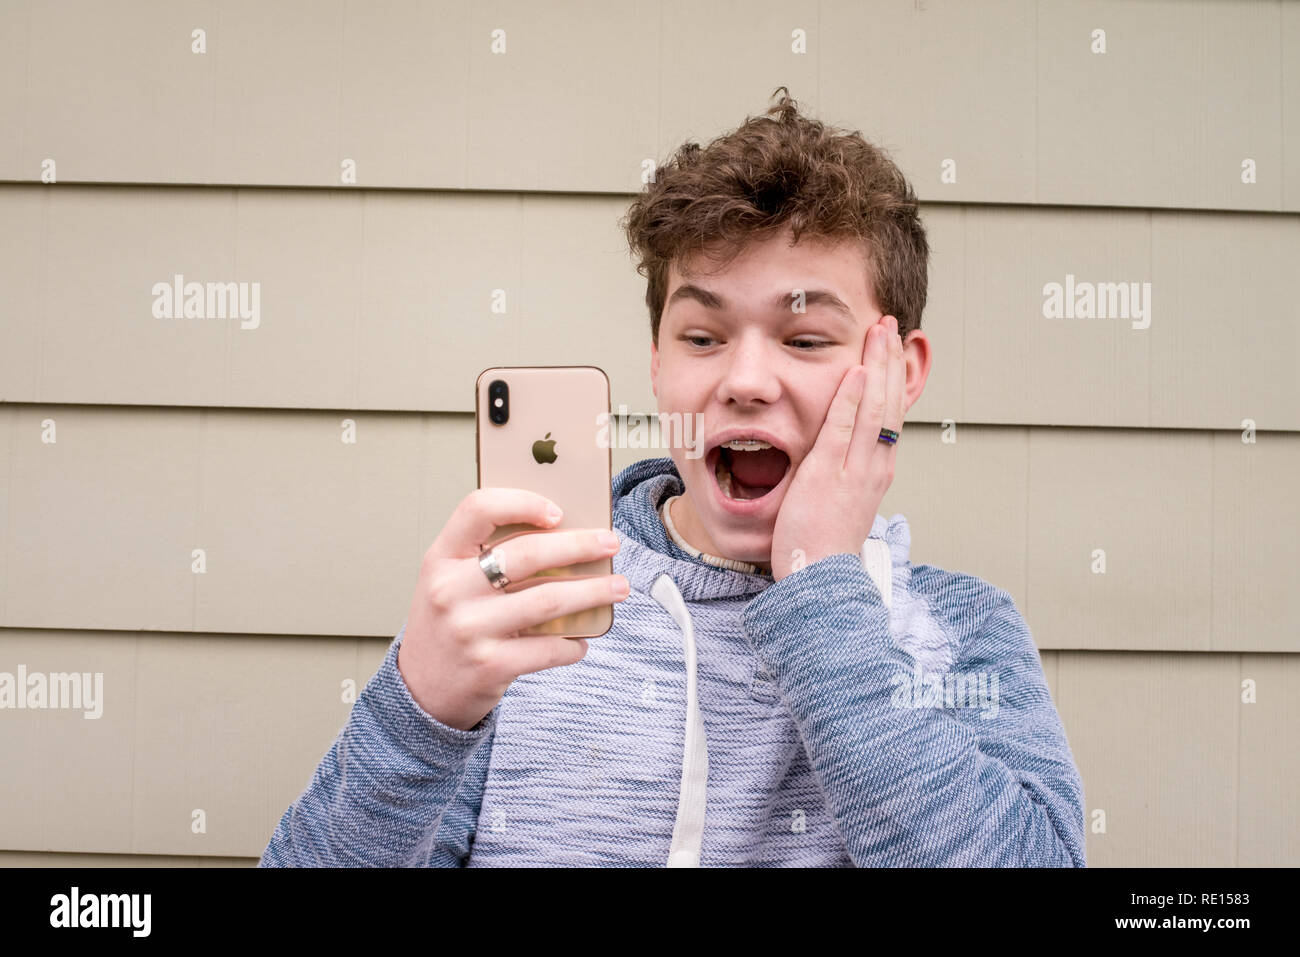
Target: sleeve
(398,788)
(909,779)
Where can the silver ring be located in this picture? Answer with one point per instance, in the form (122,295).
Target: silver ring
(491,566)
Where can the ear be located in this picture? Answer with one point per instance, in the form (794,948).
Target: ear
(654,369)
(917,355)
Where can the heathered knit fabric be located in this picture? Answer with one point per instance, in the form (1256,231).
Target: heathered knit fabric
(811,759)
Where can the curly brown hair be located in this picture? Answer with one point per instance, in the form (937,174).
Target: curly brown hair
(775,170)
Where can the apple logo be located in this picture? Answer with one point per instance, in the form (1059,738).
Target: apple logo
(544,450)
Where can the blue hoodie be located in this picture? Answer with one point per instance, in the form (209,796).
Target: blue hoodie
(863,711)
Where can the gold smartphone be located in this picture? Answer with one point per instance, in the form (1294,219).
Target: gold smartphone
(541,428)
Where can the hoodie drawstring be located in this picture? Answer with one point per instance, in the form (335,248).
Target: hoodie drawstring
(688,831)
(878,563)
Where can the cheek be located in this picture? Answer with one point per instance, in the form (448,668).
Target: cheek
(681,393)
(819,393)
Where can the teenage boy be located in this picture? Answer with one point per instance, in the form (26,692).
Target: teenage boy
(781,685)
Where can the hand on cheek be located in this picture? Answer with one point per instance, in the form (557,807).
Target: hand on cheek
(837,489)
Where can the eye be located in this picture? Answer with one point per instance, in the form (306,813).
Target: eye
(814,344)
(696,340)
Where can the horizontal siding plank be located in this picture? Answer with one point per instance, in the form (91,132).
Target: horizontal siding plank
(1116,557)
(1186,772)
(1256,532)
(222,725)
(1010,91)
(937,83)
(199,520)
(113,93)
(1018,363)
(1290,39)
(1155,739)
(102,517)
(14,55)
(392,301)
(1183,95)
(303,533)
(1229,274)
(235,726)
(8,414)
(1268,829)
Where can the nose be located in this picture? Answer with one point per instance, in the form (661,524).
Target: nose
(751,374)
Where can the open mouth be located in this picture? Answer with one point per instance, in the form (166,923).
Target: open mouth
(747,469)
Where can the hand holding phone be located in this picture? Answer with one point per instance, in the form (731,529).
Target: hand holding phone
(463,644)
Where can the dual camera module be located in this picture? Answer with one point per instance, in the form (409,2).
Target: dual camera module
(498,402)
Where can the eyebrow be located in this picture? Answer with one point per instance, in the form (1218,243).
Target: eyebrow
(812,297)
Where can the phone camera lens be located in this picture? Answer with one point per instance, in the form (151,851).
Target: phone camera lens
(498,402)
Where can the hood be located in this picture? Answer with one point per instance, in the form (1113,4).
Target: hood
(656,566)
(648,552)
(638,492)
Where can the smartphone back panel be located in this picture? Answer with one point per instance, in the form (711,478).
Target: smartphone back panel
(550,444)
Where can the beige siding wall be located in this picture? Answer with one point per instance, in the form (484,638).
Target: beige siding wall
(1038,441)
(382,300)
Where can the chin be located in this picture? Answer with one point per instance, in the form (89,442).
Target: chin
(756,549)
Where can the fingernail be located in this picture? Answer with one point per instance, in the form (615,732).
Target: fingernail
(553,513)
(620,587)
(608,539)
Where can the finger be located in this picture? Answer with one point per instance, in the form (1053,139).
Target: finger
(533,552)
(885,454)
(482,511)
(837,430)
(506,613)
(871,411)
(896,381)
(538,653)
